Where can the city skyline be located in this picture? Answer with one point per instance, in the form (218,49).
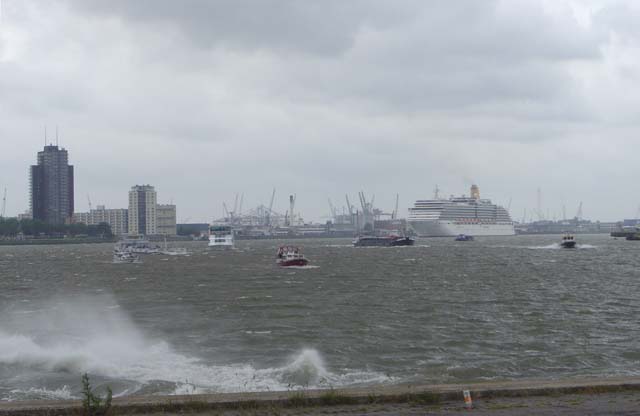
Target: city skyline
(319,102)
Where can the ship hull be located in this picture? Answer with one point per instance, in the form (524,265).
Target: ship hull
(225,242)
(383,242)
(294,262)
(452,229)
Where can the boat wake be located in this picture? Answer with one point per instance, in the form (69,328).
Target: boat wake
(585,246)
(106,344)
(307,267)
(557,246)
(554,246)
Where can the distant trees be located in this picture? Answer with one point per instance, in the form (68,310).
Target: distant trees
(11,227)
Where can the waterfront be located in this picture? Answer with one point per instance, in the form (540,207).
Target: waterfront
(437,312)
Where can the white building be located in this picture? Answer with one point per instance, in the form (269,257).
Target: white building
(118,219)
(142,210)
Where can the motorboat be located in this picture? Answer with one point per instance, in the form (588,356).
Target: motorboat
(125,256)
(137,246)
(464,237)
(568,241)
(290,256)
(173,251)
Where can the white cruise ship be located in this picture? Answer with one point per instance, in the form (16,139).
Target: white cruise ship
(459,215)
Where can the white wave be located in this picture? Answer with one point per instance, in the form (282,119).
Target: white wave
(104,342)
(586,246)
(63,393)
(556,246)
(553,246)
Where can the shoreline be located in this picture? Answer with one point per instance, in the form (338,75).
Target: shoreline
(397,394)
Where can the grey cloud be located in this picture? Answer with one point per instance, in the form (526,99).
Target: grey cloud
(325,28)
(312,97)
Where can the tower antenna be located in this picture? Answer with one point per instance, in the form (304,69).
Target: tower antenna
(45,135)
(56,135)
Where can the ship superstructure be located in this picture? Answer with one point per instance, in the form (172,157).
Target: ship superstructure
(471,215)
(221,236)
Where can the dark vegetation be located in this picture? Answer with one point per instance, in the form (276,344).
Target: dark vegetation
(93,405)
(12,227)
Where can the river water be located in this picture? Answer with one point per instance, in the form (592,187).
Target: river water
(438,312)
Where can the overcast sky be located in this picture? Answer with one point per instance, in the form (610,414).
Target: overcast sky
(206,99)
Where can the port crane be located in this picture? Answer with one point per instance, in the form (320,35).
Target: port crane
(579,213)
(268,214)
(4,203)
(394,216)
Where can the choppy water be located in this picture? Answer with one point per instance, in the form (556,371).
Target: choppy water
(441,311)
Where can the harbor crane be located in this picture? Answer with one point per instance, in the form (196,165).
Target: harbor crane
(235,205)
(4,203)
(349,206)
(268,216)
(334,213)
(394,216)
(579,213)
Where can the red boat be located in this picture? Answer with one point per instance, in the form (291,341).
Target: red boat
(290,256)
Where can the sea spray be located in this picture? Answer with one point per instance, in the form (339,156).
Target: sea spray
(70,337)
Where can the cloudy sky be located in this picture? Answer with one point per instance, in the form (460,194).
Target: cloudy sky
(206,99)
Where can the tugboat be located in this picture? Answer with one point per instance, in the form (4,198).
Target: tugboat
(385,241)
(290,256)
(568,241)
(464,237)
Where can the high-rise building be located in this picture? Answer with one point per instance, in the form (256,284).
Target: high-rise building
(166,219)
(52,186)
(142,210)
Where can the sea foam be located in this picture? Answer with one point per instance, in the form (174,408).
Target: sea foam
(92,336)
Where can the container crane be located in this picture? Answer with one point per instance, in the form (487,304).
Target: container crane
(4,203)
(268,218)
(579,213)
(394,216)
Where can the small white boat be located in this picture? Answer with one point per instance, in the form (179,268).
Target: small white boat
(137,246)
(174,251)
(177,251)
(125,256)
